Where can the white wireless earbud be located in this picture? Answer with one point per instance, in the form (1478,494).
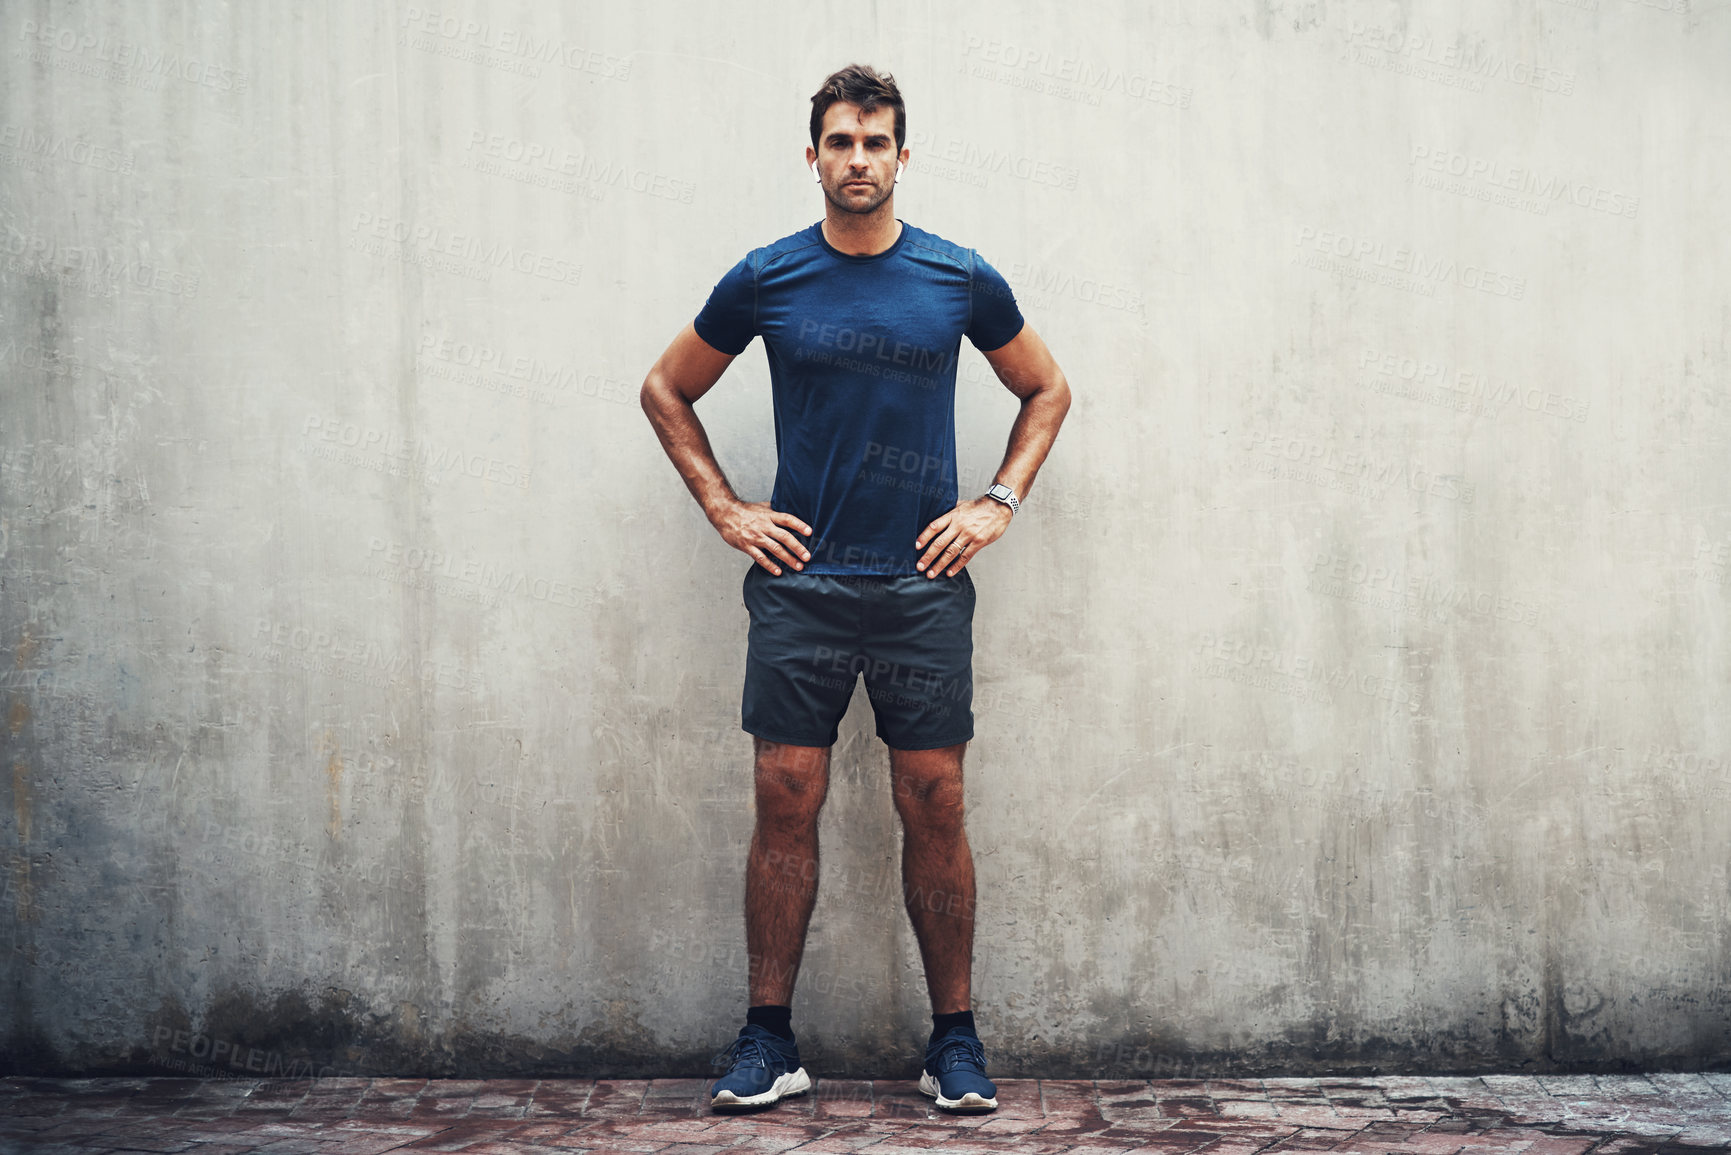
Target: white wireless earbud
(898,170)
(815,174)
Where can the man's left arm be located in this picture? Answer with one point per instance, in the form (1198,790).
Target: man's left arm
(1027,369)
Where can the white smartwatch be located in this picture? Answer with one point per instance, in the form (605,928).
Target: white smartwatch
(1005,494)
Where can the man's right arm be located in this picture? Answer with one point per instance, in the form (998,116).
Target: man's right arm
(688,370)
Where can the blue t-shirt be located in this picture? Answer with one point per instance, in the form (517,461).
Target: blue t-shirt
(862,366)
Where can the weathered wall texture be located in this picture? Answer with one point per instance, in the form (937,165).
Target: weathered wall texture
(1352,690)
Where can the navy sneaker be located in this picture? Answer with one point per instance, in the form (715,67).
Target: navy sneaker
(765,1068)
(955,1074)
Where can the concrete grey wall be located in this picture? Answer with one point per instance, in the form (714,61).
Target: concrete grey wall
(1351,691)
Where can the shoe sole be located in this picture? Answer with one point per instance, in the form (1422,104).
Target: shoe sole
(969,1104)
(793,1083)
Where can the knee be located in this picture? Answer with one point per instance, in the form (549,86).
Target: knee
(932,805)
(788,793)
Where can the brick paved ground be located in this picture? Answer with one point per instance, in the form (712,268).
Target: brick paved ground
(1542,1115)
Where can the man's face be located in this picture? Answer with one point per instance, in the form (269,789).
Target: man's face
(856,157)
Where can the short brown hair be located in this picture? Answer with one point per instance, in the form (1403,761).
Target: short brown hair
(863,85)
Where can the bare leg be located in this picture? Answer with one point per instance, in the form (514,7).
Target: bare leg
(937,869)
(781,867)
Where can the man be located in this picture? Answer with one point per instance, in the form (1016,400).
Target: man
(859,556)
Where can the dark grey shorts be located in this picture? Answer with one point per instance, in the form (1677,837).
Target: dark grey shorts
(813,635)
